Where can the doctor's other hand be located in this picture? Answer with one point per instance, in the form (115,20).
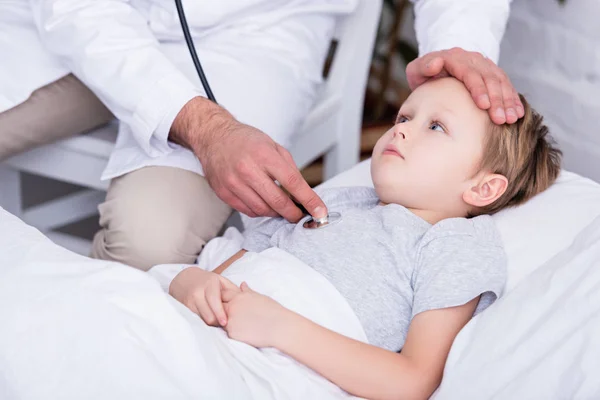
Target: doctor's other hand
(490,88)
(241,163)
(200,291)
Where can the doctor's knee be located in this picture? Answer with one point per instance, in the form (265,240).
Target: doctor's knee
(158,215)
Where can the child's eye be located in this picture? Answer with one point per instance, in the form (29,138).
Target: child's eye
(401,119)
(436,126)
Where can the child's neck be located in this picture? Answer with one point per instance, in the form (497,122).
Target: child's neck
(429,216)
(433,217)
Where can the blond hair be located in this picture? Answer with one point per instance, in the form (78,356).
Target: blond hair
(525,154)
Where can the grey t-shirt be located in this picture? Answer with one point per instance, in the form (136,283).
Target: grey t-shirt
(390,264)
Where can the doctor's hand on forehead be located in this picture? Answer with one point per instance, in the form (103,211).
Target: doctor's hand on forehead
(490,88)
(241,163)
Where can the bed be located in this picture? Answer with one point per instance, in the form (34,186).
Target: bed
(73,327)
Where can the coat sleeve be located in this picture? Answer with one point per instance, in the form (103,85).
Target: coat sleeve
(108,45)
(474,25)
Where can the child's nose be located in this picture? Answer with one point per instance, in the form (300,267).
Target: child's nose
(399,133)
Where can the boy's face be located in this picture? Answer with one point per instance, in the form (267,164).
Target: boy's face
(431,155)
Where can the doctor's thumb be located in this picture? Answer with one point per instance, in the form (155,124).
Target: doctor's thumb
(422,69)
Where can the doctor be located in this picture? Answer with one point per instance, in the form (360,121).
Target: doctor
(70,65)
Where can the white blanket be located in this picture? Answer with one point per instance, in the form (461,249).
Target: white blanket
(76,328)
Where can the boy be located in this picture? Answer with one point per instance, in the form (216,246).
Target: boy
(416,257)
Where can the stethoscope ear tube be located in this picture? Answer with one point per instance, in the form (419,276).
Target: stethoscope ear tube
(192,49)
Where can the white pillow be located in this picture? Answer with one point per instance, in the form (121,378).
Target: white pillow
(541,340)
(532,233)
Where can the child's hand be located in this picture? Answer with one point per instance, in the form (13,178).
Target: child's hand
(254,319)
(200,291)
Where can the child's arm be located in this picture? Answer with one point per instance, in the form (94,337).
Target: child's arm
(359,368)
(368,371)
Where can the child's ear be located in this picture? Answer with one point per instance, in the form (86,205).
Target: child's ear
(485,191)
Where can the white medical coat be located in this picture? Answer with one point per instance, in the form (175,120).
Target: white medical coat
(132,55)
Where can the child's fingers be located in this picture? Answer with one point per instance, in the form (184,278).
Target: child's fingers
(213,298)
(192,306)
(206,313)
(245,288)
(229,294)
(227,284)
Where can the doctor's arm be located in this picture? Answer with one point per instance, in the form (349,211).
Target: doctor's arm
(462,38)
(361,369)
(108,45)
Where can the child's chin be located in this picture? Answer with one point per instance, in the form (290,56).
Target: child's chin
(387,188)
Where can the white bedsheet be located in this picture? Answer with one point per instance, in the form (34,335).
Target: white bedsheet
(75,328)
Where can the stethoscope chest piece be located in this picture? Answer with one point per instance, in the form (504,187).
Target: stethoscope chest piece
(316,223)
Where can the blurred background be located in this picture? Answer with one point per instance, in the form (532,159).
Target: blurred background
(395,47)
(544,53)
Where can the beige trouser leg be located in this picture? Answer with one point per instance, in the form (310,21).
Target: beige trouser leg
(58,110)
(151,216)
(158,215)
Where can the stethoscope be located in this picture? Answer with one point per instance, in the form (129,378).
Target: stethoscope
(310,223)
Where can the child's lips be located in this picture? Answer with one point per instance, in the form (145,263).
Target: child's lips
(392,150)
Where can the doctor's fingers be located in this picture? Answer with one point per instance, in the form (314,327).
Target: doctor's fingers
(508,98)
(261,194)
(479,92)
(286,156)
(424,68)
(505,103)
(277,199)
(489,86)
(252,196)
(504,100)
(494,88)
(235,202)
(470,68)
(292,180)
(290,160)
(512,100)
